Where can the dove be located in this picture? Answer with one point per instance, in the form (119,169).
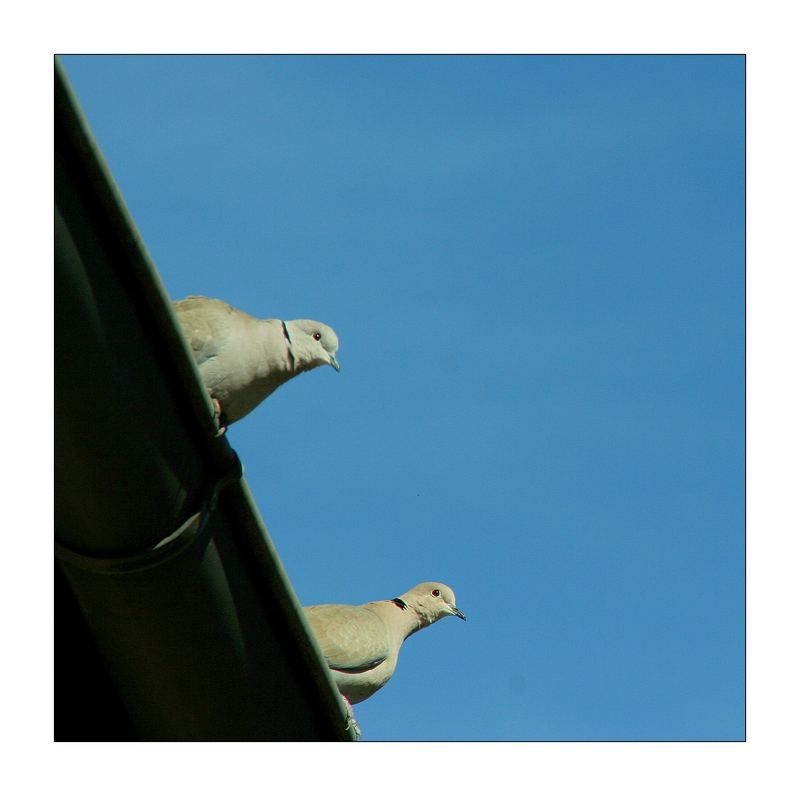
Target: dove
(360,643)
(243,359)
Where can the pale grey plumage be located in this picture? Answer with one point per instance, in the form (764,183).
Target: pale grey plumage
(243,359)
(361,643)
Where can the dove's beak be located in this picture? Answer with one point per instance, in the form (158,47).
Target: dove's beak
(457,613)
(334,363)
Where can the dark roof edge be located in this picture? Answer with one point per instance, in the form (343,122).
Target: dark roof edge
(145,277)
(155,309)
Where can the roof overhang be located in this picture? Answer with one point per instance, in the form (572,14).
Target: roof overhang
(187,619)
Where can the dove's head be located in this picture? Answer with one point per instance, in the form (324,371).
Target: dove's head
(432,601)
(312,344)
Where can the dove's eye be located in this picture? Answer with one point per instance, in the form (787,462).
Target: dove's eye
(317,336)
(436,592)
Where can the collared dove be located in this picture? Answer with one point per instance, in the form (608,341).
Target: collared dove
(361,643)
(243,359)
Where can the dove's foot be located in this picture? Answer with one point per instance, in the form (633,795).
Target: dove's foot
(351,718)
(219,417)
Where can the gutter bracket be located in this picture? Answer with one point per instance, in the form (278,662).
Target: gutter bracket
(195,529)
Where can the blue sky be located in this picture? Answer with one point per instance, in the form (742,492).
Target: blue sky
(535,266)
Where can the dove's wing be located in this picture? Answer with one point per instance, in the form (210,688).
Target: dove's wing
(352,638)
(205,323)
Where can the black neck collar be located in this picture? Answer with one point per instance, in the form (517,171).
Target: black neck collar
(288,343)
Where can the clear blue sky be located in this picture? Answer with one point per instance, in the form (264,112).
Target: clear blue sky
(535,266)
